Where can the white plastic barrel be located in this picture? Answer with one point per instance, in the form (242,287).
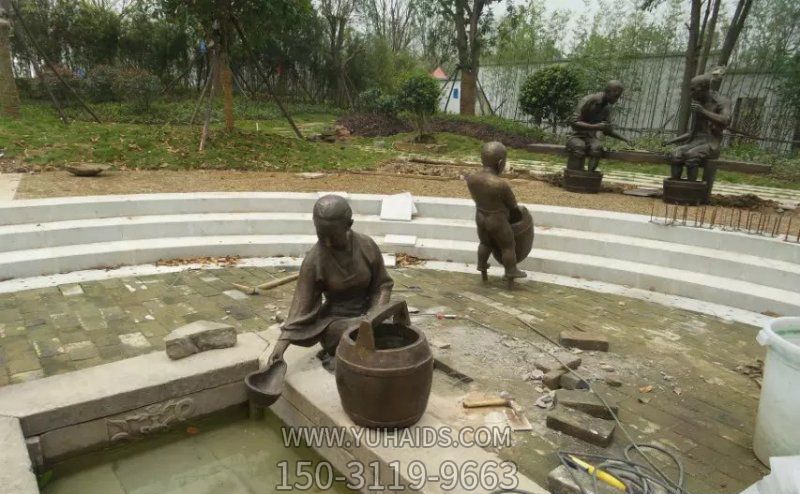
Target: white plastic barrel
(778,421)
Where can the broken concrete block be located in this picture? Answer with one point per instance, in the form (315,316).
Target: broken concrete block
(584,341)
(553,378)
(581,425)
(562,481)
(584,401)
(199,336)
(547,364)
(571,381)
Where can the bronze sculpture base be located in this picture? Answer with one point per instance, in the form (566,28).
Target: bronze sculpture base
(581,181)
(685,191)
(384,371)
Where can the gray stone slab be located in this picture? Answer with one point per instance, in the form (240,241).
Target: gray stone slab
(547,364)
(581,425)
(586,402)
(584,341)
(104,390)
(571,381)
(16,473)
(197,337)
(96,434)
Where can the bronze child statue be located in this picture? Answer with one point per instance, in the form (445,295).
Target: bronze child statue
(711,114)
(341,279)
(592,115)
(495,208)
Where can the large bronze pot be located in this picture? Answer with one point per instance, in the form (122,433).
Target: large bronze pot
(384,370)
(522,226)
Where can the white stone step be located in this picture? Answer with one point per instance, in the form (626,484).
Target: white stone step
(769,272)
(42,211)
(715,289)
(741,294)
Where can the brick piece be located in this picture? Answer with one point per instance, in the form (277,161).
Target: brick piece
(571,381)
(199,336)
(561,481)
(581,425)
(553,378)
(583,340)
(548,363)
(584,401)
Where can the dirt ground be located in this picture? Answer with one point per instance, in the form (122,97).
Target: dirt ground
(61,183)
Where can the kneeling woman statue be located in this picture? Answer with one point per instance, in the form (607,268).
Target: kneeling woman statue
(342,277)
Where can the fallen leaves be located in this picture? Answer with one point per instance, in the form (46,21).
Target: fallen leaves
(225,261)
(402,259)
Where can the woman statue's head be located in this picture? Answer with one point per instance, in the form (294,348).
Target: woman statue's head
(333,219)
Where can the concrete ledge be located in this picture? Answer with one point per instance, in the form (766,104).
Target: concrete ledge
(16,473)
(111,389)
(310,398)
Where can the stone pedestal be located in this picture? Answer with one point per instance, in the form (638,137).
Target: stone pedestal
(685,191)
(582,181)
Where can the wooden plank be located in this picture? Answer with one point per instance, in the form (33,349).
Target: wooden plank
(647,157)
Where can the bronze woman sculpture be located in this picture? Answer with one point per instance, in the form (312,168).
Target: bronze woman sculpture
(505,228)
(341,278)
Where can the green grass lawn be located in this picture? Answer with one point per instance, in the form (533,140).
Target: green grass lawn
(263,140)
(267,144)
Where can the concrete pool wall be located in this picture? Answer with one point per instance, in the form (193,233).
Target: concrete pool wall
(47,236)
(50,419)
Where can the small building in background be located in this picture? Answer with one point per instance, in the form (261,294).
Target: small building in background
(450,96)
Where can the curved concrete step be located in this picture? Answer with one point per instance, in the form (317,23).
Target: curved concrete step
(745,295)
(715,289)
(40,211)
(743,267)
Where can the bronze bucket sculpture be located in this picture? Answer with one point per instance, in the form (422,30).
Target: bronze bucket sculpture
(384,370)
(522,226)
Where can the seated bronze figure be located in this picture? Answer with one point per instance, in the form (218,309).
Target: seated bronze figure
(710,117)
(341,279)
(592,115)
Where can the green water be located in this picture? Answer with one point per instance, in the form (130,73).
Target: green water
(227,454)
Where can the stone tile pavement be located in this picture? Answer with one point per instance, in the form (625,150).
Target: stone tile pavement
(699,404)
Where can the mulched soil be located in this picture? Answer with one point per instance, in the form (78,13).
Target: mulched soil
(369,125)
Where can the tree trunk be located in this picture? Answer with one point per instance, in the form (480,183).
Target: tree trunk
(796,136)
(9,96)
(690,67)
(226,76)
(735,29)
(708,41)
(224,72)
(469,83)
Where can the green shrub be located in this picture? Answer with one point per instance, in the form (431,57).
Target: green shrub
(48,80)
(137,87)
(100,83)
(26,87)
(377,102)
(419,96)
(551,94)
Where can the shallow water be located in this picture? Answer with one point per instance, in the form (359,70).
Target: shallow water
(226,454)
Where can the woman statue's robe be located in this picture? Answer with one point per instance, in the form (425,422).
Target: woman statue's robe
(331,297)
